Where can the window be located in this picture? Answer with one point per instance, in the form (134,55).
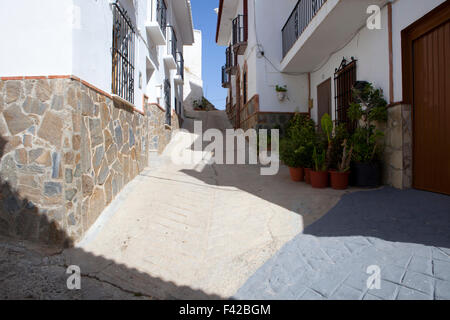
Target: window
(168,101)
(122,54)
(344,80)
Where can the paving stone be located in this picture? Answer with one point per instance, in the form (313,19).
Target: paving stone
(419,282)
(421,264)
(346,293)
(442,269)
(410,294)
(442,290)
(387,291)
(393,273)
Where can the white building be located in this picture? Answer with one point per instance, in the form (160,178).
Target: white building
(193,68)
(88,88)
(319,48)
(74,37)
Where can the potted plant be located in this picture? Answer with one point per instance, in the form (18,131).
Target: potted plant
(297,145)
(340,177)
(291,158)
(369,107)
(319,173)
(281,92)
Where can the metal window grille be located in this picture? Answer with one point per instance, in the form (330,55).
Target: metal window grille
(161,15)
(168,101)
(301,16)
(344,80)
(123,54)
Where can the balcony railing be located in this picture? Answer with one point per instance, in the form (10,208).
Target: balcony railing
(180,64)
(230,60)
(172,43)
(161,15)
(225,77)
(239,39)
(301,16)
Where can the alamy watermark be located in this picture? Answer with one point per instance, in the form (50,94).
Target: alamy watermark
(374,280)
(235,147)
(74,280)
(374,20)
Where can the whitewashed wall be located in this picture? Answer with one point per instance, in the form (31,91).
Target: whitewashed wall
(193,68)
(404,13)
(370,48)
(36,37)
(74,37)
(270,19)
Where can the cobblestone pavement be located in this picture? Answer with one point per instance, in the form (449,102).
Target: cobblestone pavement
(330,259)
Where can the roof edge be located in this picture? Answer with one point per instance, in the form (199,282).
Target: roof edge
(219,19)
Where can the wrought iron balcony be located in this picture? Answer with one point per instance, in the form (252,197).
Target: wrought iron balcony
(170,57)
(172,44)
(161,15)
(301,16)
(230,62)
(240,32)
(180,66)
(225,77)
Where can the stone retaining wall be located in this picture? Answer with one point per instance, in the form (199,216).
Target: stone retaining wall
(159,134)
(67,152)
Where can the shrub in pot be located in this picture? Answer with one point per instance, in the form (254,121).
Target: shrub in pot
(319,173)
(340,177)
(296,147)
(369,107)
(291,158)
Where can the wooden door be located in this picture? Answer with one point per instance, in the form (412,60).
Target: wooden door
(431,109)
(323,99)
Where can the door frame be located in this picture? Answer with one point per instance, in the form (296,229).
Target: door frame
(420,27)
(331,98)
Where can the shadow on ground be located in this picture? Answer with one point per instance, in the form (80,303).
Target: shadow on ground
(409,216)
(31,268)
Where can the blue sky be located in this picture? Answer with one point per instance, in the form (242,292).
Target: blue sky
(205,19)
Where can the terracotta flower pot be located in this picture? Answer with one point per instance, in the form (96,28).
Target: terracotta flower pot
(339,180)
(319,179)
(308,175)
(297,174)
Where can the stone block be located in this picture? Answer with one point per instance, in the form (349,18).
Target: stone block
(43,90)
(32,105)
(13,90)
(51,128)
(16,120)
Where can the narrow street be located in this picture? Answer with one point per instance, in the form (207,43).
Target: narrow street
(204,227)
(220,231)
